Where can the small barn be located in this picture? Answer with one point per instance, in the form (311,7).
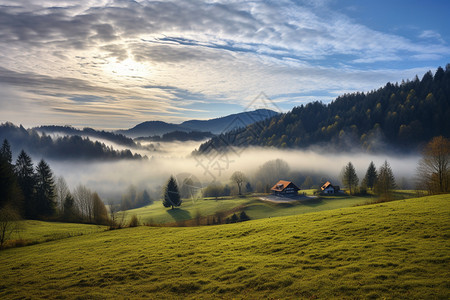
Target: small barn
(328,188)
(284,187)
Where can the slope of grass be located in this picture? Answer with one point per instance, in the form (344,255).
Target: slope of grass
(158,214)
(32,231)
(391,250)
(256,209)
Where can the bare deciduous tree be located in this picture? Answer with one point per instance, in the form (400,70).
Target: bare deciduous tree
(433,172)
(62,191)
(239,178)
(9,223)
(83,199)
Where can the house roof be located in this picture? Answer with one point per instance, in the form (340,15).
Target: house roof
(329,185)
(281,185)
(326,184)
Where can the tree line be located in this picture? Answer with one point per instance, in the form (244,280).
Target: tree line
(33,192)
(404,116)
(66,147)
(432,176)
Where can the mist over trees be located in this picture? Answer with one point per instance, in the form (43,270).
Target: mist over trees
(119,139)
(178,136)
(132,198)
(34,193)
(402,116)
(66,147)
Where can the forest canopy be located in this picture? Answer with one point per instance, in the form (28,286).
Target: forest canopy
(402,116)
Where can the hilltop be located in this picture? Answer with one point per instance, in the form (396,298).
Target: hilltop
(400,116)
(391,250)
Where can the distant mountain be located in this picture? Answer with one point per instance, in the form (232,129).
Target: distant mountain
(216,126)
(151,128)
(402,116)
(180,136)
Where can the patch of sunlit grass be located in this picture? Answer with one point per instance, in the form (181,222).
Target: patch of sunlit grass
(394,250)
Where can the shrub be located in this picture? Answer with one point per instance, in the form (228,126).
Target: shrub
(134,222)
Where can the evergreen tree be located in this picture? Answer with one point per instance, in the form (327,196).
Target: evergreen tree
(243,216)
(9,189)
(5,152)
(69,209)
(371,176)
(26,179)
(386,182)
(45,190)
(234,219)
(171,194)
(349,177)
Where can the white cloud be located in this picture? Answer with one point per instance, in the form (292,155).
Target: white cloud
(52,51)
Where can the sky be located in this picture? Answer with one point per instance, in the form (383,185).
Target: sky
(113,64)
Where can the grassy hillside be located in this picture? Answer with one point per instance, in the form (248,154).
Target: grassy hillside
(32,231)
(256,209)
(398,249)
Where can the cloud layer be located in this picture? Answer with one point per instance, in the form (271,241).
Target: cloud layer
(113,64)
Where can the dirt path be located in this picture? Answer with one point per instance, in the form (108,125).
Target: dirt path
(280,199)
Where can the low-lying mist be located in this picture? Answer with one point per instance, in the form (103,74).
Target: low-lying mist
(111,179)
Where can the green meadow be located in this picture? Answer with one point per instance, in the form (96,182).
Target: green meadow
(252,205)
(391,250)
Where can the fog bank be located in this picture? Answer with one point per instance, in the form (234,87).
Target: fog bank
(110,179)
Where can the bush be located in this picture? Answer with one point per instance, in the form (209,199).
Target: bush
(134,222)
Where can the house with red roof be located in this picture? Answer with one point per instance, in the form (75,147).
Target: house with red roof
(284,187)
(328,188)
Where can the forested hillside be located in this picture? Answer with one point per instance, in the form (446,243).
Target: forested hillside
(67,147)
(90,132)
(402,116)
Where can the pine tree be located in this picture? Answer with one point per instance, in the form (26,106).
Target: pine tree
(5,151)
(45,190)
(371,176)
(9,188)
(171,194)
(349,177)
(26,178)
(386,182)
(70,212)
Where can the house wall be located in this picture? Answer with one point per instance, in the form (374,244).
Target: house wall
(328,190)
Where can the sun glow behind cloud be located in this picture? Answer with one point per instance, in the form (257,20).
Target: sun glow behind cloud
(127,68)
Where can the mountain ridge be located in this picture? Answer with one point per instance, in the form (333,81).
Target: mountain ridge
(215,125)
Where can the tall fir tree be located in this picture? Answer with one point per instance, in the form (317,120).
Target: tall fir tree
(171,194)
(386,182)
(5,152)
(371,176)
(349,177)
(26,178)
(9,189)
(45,190)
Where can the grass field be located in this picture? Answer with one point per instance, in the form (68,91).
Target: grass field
(32,232)
(256,209)
(398,249)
